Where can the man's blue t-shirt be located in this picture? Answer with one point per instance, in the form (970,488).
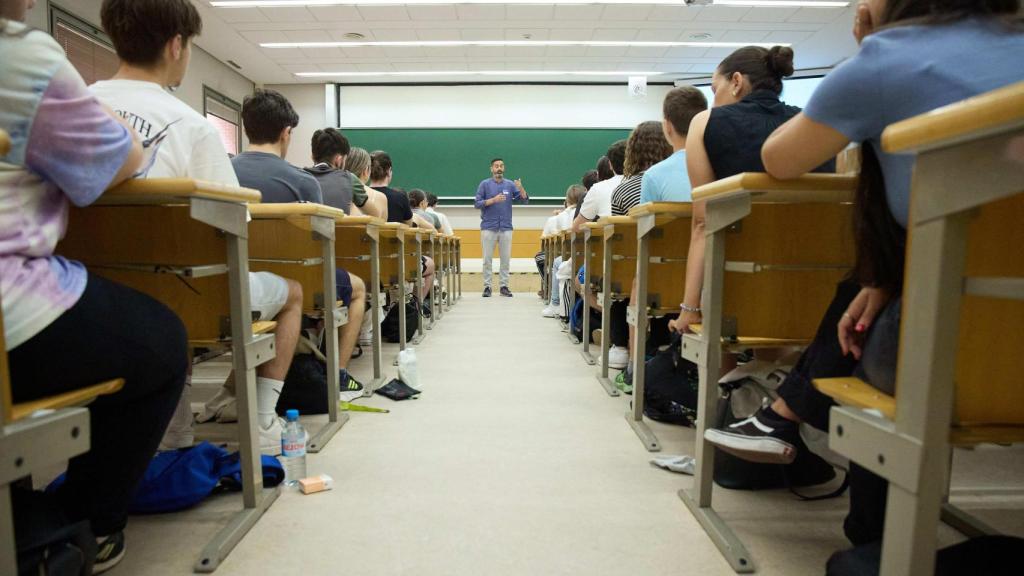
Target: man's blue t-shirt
(666,181)
(496,216)
(909,70)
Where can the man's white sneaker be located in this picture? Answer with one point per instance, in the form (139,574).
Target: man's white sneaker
(270,438)
(550,311)
(618,357)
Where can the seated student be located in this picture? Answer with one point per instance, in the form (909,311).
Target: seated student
(418,201)
(268,119)
(357,162)
(598,202)
(668,180)
(574,195)
(591,177)
(341,189)
(646,147)
(910,62)
(446,227)
(65,328)
(150,63)
(399,208)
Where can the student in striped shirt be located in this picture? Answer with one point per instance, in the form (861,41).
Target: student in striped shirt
(646,147)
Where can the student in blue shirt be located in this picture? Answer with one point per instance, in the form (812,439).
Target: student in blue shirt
(668,180)
(494,199)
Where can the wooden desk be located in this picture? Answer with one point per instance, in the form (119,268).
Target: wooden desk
(357,250)
(763,277)
(618,271)
(963,308)
(663,244)
(593,264)
(296,241)
(185,243)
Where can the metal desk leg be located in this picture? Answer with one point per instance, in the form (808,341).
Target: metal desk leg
(402,297)
(635,416)
(606,320)
(378,372)
(698,498)
(419,302)
(587,261)
(8,560)
(324,229)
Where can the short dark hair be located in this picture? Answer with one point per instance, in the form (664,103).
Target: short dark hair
(431,199)
(140,29)
(380,164)
(328,143)
(604,169)
(617,156)
(764,68)
(590,178)
(681,105)
(265,113)
(497,160)
(416,196)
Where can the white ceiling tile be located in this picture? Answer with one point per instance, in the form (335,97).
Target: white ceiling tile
(308,36)
(538,65)
(338,67)
(412,66)
(525,52)
(396,52)
(292,14)
(685,52)
(259,36)
(280,54)
(336,13)
(577,13)
(818,15)
(485,51)
(438,34)
(566,51)
(673,13)
(571,34)
(718,53)
(626,12)
(298,67)
(644,66)
(239,15)
(614,34)
(644,52)
(542,13)
(749,36)
(704,68)
(393,34)
(446,52)
(384,13)
(338,34)
(314,53)
(705,35)
(606,51)
(374,67)
(658,34)
(788,36)
(478,34)
(533,33)
(768,14)
(494,12)
(675,67)
(721,14)
(432,12)
(364,52)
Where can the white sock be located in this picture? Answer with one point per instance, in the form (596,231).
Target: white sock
(268,391)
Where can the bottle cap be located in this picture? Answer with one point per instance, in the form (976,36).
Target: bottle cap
(292,415)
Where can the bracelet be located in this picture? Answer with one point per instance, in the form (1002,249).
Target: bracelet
(690,309)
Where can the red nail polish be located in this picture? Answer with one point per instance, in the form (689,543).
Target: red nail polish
(860,327)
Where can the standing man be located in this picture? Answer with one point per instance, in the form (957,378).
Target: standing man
(494,199)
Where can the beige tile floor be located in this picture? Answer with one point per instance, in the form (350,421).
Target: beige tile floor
(514,462)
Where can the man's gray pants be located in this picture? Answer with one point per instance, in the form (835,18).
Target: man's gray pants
(488,238)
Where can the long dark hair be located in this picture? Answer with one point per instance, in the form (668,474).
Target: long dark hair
(881,240)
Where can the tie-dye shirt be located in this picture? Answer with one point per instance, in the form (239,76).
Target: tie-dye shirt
(64,146)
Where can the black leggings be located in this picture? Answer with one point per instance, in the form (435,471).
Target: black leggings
(112,332)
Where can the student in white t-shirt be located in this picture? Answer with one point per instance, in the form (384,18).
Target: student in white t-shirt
(153,40)
(561,221)
(598,202)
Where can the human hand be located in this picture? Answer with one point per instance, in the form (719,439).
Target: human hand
(862,23)
(857,319)
(682,323)
(498,199)
(519,183)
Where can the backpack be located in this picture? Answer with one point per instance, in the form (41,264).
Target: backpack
(179,479)
(46,542)
(671,385)
(389,326)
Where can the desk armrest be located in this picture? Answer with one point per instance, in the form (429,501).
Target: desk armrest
(857,393)
(5,143)
(809,188)
(174,191)
(990,113)
(277,211)
(677,209)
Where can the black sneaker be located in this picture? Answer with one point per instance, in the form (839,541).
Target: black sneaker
(346,383)
(110,551)
(506,292)
(764,437)
(487,291)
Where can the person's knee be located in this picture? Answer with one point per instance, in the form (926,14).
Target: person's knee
(428,267)
(358,287)
(294,301)
(170,342)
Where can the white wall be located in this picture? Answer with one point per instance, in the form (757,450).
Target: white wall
(497,106)
(309,100)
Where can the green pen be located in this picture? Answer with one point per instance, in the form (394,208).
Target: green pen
(360,408)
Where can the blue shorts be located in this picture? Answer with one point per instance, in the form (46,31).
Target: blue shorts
(343,282)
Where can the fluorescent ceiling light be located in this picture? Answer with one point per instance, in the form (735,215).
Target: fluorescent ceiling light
(481,73)
(514,44)
(296,3)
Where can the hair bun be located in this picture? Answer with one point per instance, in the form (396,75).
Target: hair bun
(780,61)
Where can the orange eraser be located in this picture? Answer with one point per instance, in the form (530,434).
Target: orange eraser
(315,484)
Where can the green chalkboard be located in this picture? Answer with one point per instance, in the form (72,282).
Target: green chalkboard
(451,162)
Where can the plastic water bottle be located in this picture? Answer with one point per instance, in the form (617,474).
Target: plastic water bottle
(293,449)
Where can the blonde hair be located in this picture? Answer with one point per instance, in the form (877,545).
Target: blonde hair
(574,194)
(358,162)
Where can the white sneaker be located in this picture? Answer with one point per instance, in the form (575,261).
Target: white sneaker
(270,438)
(618,357)
(550,311)
(366,338)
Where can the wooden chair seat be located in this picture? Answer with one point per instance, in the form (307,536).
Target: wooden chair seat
(79,397)
(745,342)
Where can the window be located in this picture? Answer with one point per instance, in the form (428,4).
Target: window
(226,116)
(89,50)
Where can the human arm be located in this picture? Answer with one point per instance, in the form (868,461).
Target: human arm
(421,222)
(376,203)
(446,226)
(856,321)
(209,161)
(699,168)
(799,146)
(481,197)
(520,194)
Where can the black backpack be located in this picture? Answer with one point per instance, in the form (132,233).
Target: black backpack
(389,326)
(671,384)
(47,543)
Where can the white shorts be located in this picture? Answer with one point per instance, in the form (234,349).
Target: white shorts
(268,294)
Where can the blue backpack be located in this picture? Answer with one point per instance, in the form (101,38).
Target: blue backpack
(179,479)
